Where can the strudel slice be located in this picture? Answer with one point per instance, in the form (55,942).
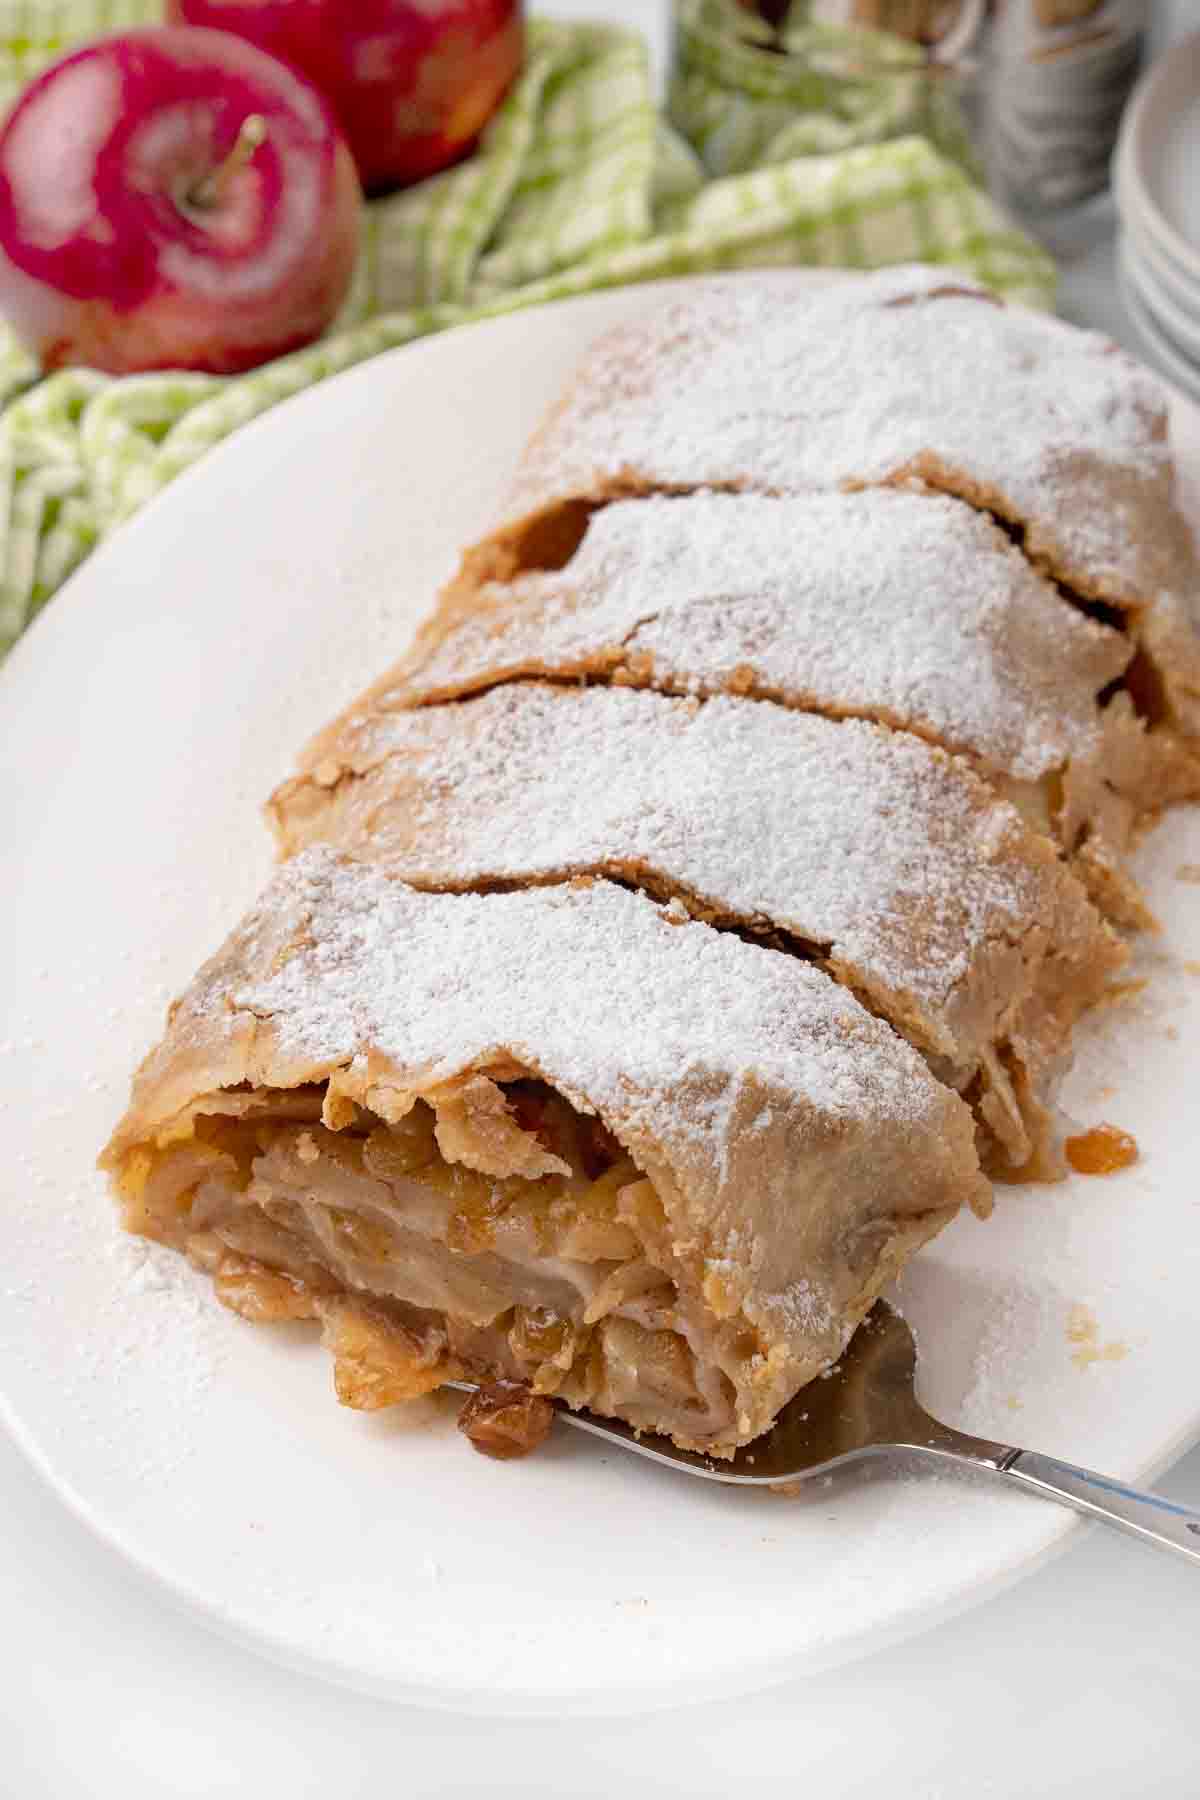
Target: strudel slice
(905,375)
(560,1136)
(883,860)
(909,609)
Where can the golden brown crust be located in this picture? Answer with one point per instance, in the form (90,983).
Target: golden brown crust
(377,1360)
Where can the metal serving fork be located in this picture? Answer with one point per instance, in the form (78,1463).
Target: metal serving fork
(867,1407)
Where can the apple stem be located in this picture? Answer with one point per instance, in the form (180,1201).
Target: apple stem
(208,193)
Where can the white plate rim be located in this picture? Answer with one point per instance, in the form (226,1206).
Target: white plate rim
(198,1607)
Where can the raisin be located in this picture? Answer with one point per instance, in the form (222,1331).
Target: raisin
(506,1420)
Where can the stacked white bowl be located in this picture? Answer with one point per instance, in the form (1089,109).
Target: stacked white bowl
(1156,178)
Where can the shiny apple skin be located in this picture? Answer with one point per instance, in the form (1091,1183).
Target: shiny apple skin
(103,260)
(413,82)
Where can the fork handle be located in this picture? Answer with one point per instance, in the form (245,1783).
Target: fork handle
(1163,1523)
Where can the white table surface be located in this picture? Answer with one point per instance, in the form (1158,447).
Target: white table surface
(1082,1680)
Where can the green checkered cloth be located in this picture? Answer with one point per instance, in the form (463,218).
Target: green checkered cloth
(579,184)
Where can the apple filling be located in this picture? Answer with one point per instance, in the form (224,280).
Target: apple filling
(423,1269)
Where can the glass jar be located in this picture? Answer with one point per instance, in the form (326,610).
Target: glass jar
(765,80)
(1028,93)
(1056,76)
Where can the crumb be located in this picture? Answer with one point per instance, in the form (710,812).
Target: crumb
(1119,993)
(1013,1404)
(1081,1324)
(1191,968)
(1101,1151)
(1188,872)
(1171,1032)
(1083,1330)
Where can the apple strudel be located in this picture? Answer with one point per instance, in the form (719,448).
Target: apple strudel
(882,859)
(907,609)
(904,376)
(558,1135)
(664,940)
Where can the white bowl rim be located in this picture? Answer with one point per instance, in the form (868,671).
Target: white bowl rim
(1136,195)
(1144,222)
(1161,274)
(1182,331)
(1183,374)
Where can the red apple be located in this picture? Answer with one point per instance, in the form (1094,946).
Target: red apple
(412,81)
(173,199)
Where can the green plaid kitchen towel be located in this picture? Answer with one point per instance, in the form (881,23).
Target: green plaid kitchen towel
(579,184)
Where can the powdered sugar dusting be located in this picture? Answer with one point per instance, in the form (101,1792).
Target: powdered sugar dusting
(149,1347)
(588,983)
(865,844)
(1012,1341)
(805,1308)
(762,385)
(907,607)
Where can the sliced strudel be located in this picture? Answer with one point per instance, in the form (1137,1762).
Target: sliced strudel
(909,609)
(865,850)
(908,375)
(561,1136)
